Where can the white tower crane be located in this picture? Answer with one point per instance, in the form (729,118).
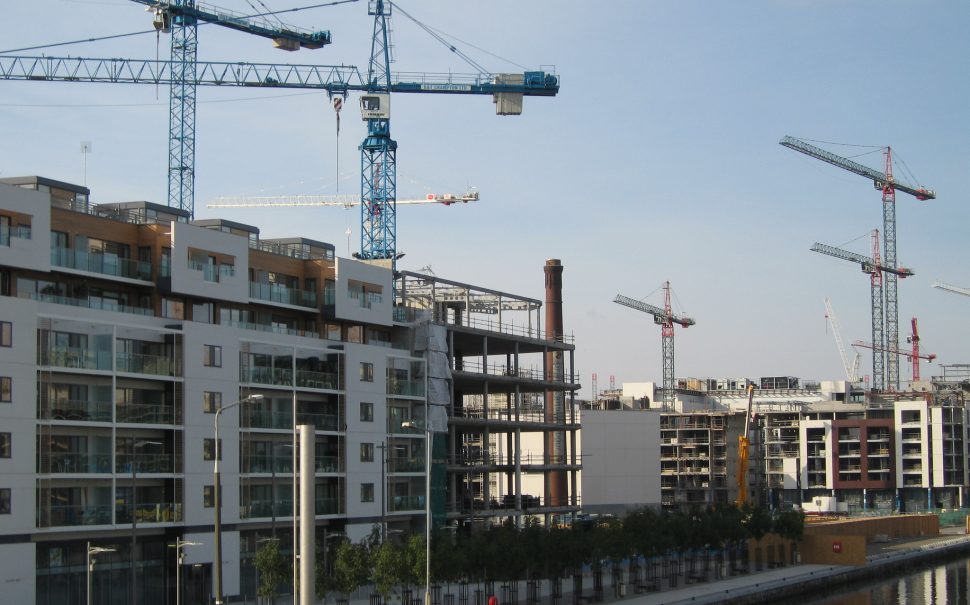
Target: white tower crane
(851,371)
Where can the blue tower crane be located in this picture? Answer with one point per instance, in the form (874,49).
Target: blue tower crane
(181,18)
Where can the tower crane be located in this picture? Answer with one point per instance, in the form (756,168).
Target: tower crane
(342,200)
(851,370)
(181,18)
(875,269)
(887,184)
(378,150)
(951,288)
(913,354)
(666,318)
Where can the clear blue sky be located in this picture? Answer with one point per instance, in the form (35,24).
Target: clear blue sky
(658,160)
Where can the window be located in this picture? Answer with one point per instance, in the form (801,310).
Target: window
(5,501)
(207,449)
(5,445)
(366,372)
(366,411)
(212,356)
(211,401)
(204,312)
(366,492)
(6,389)
(6,334)
(366,452)
(173,308)
(208,496)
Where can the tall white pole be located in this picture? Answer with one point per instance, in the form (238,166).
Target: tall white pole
(308,516)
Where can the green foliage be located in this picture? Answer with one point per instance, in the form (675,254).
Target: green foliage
(273,568)
(790,525)
(352,566)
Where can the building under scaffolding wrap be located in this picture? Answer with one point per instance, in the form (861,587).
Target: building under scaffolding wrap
(505,389)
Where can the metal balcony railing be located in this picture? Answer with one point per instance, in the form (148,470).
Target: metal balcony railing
(78,462)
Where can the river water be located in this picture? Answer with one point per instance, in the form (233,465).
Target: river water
(934,584)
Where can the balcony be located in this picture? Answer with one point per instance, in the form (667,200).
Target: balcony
(257,509)
(412,464)
(146,413)
(137,363)
(326,506)
(398,504)
(145,463)
(213,273)
(149,512)
(104,264)
(78,462)
(316,380)
(282,294)
(268,419)
(407,388)
(267,464)
(71,515)
(100,304)
(76,358)
(365,299)
(78,411)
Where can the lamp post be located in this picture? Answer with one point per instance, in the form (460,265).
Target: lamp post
(217,498)
(179,556)
(93,550)
(427,504)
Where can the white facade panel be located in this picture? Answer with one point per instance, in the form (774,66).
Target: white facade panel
(363,292)
(221,285)
(35,252)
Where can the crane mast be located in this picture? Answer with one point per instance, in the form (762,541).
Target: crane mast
(666,318)
(886,183)
(915,356)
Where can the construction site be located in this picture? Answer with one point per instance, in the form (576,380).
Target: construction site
(182,386)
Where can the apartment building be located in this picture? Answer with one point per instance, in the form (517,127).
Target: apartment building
(125,327)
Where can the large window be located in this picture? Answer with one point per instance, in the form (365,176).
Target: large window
(366,411)
(366,372)
(211,401)
(212,356)
(366,492)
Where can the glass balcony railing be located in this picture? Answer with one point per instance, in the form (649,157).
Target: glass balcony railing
(405,465)
(77,462)
(101,304)
(83,411)
(257,509)
(405,503)
(146,413)
(213,273)
(149,512)
(282,294)
(408,388)
(96,262)
(145,463)
(267,464)
(69,515)
(77,358)
(284,377)
(316,380)
(138,363)
(266,419)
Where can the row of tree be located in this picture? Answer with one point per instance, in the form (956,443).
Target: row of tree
(506,553)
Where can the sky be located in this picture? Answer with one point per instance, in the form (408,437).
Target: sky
(658,160)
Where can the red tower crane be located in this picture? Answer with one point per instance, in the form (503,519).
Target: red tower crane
(915,356)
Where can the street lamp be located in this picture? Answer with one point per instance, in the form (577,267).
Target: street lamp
(217,498)
(94,550)
(134,511)
(179,557)
(410,424)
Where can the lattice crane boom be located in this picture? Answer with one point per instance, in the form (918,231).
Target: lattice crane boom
(867,263)
(666,319)
(952,288)
(887,184)
(851,370)
(341,200)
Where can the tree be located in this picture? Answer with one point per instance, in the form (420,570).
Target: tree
(351,566)
(789,525)
(272,566)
